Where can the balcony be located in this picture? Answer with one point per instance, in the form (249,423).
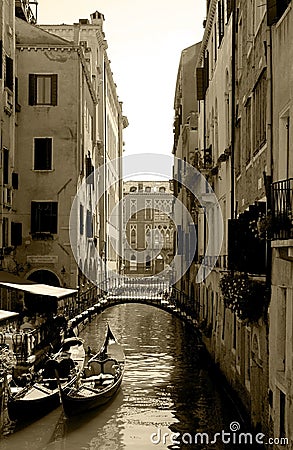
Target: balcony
(23,10)
(282,210)
(246,247)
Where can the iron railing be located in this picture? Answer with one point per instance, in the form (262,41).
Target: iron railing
(282,209)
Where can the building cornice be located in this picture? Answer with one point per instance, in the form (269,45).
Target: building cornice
(72,48)
(36,47)
(207,31)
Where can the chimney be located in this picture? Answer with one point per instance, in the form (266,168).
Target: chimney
(97,18)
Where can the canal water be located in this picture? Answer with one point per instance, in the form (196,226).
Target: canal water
(166,389)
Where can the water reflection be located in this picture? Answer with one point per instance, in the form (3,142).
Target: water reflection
(166,387)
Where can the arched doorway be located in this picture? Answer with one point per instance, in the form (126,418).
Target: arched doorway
(44,277)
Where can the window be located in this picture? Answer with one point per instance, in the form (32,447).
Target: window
(44,217)
(260,106)
(221,20)
(238,147)
(148,209)
(248,130)
(16,233)
(8,82)
(81,218)
(5,166)
(89,224)
(5,223)
(133,238)
(148,262)
(282,432)
(43,89)
(133,263)
(43,154)
(162,188)
(133,209)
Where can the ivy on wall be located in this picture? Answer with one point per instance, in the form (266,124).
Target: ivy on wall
(246,297)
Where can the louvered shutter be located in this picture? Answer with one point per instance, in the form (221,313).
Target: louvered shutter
(54,91)
(32,94)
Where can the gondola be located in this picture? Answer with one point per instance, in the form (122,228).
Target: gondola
(43,395)
(100,380)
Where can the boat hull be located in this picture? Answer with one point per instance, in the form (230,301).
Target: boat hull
(25,409)
(74,405)
(40,398)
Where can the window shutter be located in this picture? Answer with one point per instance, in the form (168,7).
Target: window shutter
(8,82)
(16,233)
(200,91)
(54,217)
(32,95)
(48,153)
(89,224)
(54,90)
(180,237)
(15,180)
(34,217)
(1,58)
(5,166)
(81,219)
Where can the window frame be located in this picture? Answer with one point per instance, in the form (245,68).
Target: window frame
(48,138)
(38,228)
(33,89)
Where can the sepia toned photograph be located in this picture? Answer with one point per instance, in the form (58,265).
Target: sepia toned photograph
(146,225)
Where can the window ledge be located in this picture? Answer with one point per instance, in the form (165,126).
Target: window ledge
(43,170)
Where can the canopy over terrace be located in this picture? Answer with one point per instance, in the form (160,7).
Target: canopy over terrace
(41,289)
(39,297)
(7,315)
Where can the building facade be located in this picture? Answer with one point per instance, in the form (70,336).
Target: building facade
(280,221)
(107,148)
(148,227)
(243,103)
(62,119)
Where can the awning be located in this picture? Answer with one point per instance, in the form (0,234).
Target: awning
(4,315)
(41,289)
(7,277)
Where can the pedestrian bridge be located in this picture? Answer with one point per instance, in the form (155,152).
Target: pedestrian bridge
(156,293)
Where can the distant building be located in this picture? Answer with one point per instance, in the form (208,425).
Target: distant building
(61,120)
(148,235)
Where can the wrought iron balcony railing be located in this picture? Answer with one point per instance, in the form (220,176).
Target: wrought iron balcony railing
(282,209)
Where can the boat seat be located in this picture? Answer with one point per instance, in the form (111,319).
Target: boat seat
(65,366)
(95,368)
(109,366)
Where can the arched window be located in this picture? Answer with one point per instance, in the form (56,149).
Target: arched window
(148,263)
(133,264)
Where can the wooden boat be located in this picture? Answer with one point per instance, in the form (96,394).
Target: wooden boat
(42,396)
(100,380)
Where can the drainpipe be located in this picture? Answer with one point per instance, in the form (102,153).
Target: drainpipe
(269,170)
(233,121)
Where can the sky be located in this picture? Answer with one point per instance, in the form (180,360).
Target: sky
(145,40)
